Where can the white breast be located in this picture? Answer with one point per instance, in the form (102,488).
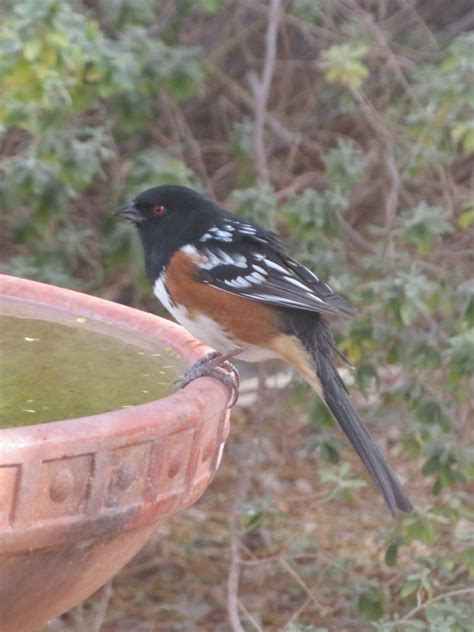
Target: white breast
(202,327)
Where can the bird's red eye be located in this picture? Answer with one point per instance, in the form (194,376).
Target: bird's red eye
(159,210)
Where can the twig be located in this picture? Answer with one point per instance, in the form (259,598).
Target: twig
(464,23)
(446,595)
(300,582)
(101,608)
(375,120)
(309,179)
(187,135)
(261,90)
(235,544)
(277,127)
(356,238)
(391,199)
(234,574)
(392,60)
(233,602)
(297,612)
(250,618)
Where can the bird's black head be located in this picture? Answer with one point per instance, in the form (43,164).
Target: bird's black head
(164,205)
(168,217)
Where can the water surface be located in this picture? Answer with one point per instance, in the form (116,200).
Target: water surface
(51,371)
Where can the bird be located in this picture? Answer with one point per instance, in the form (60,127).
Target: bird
(233,285)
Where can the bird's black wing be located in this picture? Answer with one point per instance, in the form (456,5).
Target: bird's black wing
(245,259)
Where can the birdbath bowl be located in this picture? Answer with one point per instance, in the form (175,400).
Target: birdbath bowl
(80,497)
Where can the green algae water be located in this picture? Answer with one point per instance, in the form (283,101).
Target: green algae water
(51,371)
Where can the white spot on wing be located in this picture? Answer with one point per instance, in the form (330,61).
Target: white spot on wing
(218,234)
(224,257)
(213,260)
(239,281)
(224,235)
(275,266)
(240,261)
(314,276)
(246,229)
(255,277)
(218,257)
(277,299)
(297,283)
(189,250)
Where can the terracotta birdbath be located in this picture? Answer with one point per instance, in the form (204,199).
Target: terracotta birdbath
(80,497)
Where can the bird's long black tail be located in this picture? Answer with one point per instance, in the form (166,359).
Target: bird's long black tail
(321,346)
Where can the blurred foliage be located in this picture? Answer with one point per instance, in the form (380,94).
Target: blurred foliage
(369,140)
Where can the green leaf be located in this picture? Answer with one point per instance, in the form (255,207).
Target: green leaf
(329,452)
(343,64)
(463,132)
(407,312)
(211,6)
(421,529)
(409,587)
(32,49)
(466,557)
(391,554)
(466,219)
(370,604)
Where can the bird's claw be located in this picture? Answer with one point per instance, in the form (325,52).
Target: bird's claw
(213,365)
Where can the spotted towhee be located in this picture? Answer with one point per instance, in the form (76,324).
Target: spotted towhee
(233,285)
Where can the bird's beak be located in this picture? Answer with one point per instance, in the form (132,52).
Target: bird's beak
(129,212)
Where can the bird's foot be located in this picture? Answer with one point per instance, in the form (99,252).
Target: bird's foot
(216,365)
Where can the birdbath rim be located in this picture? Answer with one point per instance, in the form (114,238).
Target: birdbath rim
(66,301)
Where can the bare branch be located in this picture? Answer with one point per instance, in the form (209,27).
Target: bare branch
(250,618)
(234,574)
(375,120)
(261,90)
